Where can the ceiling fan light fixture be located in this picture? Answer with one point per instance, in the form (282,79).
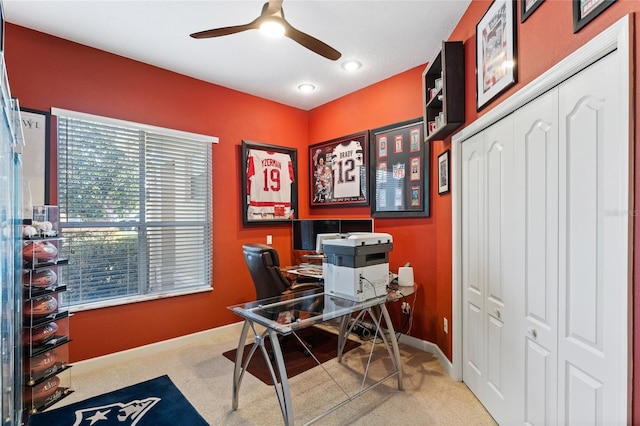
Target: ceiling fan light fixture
(273,23)
(306,87)
(351,65)
(272,28)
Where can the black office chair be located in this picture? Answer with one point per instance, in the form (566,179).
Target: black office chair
(264,265)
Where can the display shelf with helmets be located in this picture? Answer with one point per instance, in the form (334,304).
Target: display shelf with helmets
(45,336)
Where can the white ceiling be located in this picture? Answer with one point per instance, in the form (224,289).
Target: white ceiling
(387,37)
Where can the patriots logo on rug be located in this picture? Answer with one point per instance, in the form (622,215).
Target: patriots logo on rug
(122,414)
(155,402)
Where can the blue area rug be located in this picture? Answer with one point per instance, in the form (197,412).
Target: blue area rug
(156,402)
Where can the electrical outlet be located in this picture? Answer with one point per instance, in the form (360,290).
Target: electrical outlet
(406,308)
(269,239)
(445,324)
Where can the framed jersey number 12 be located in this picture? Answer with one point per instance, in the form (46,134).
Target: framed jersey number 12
(338,171)
(269,183)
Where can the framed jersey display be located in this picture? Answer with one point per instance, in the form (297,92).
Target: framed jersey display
(269,183)
(339,171)
(399,170)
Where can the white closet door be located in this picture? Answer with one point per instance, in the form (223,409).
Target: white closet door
(593,247)
(490,318)
(536,254)
(503,392)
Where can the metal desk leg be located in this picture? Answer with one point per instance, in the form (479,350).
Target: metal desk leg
(282,392)
(237,370)
(284,395)
(394,343)
(343,334)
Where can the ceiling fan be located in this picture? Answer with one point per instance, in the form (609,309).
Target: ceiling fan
(272,13)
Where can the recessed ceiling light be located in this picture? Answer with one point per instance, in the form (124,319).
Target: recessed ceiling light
(351,65)
(306,87)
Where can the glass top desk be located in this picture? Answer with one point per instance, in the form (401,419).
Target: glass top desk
(285,315)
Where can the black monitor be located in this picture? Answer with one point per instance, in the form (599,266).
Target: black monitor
(305,231)
(356,225)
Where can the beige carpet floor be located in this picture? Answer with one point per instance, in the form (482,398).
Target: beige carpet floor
(430,396)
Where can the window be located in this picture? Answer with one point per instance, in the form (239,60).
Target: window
(135,208)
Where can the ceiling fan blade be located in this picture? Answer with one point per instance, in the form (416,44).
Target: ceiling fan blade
(273,7)
(311,43)
(226,30)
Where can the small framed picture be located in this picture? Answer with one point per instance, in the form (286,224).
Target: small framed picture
(443,172)
(585,11)
(415,168)
(382,147)
(415,140)
(399,144)
(496,65)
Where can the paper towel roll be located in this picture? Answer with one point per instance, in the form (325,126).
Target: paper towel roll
(405,276)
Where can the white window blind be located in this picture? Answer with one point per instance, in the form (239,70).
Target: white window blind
(136,209)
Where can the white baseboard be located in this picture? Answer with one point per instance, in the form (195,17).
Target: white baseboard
(429,347)
(107,361)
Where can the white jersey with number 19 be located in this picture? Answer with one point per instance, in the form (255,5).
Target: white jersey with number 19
(269,179)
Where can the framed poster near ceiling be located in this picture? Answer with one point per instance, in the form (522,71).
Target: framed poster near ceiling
(496,63)
(527,7)
(585,11)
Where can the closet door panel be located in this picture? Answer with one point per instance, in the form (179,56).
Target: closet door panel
(539,384)
(584,397)
(473,263)
(536,251)
(584,313)
(494,302)
(594,251)
(495,174)
(503,392)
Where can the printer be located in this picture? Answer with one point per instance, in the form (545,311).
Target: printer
(356,265)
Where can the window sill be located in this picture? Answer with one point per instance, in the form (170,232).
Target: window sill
(133,299)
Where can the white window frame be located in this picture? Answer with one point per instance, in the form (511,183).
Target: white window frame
(141,225)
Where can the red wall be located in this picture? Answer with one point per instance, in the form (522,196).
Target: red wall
(47,72)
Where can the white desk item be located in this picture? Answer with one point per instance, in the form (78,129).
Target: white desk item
(356,267)
(405,276)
